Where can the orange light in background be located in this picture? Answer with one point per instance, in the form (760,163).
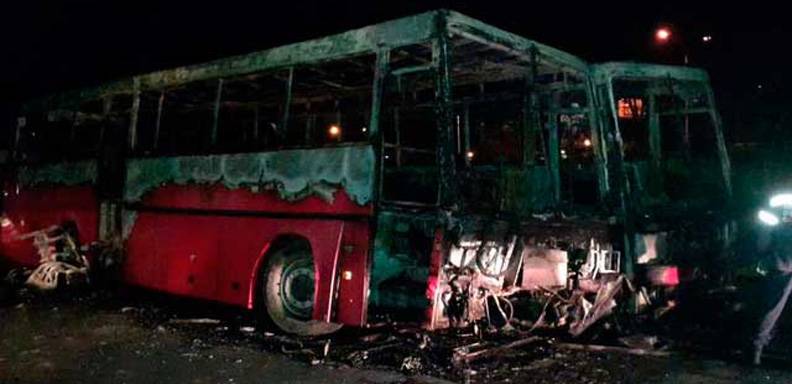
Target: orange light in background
(587,142)
(470,155)
(334,131)
(662,34)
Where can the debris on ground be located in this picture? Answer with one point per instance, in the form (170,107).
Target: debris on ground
(611,348)
(464,355)
(460,355)
(569,335)
(195,321)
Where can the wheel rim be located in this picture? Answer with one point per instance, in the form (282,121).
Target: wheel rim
(297,288)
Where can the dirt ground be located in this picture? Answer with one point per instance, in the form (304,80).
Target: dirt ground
(99,338)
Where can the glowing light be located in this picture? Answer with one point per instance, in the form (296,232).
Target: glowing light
(470,155)
(587,143)
(364,129)
(662,34)
(347,275)
(781,200)
(768,218)
(334,131)
(706,38)
(630,108)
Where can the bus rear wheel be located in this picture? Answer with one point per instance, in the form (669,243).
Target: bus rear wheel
(288,291)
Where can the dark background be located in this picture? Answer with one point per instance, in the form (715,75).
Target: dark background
(55,45)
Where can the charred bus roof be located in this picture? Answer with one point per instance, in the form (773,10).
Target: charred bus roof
(418,29)
(642,71)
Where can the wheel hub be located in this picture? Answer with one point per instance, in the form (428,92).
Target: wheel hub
(297,288)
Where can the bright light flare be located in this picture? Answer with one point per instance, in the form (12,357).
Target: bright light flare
(334,131)
(768,218)
(781,200)
(587,142)
(706,38)
(470,155)
(663,34)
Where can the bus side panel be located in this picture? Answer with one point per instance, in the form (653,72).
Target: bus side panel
(217,197)
(33,208)
(354,274)
(216,257)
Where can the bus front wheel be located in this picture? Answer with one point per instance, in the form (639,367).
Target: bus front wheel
(288,291)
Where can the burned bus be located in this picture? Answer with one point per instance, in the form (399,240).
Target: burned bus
(430,165)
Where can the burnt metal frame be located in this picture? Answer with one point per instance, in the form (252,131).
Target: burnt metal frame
(433,28)
(605,74)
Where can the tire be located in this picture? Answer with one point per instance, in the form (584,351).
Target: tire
(288,292)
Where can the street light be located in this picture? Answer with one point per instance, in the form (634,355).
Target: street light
(663,34)
(334,131)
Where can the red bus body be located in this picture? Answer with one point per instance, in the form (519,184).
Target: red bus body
(208,241)
(200,246)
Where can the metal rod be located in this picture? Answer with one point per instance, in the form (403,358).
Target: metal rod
(723,153)
(554,151)
(377,92)
(411,70)
(624,187)
(654,131)
(216,115)
(133,115)
(597,141)
(107,105)
(467,129)
(158,123)
(441,56)
(285,121)
(531,116)
(382,66)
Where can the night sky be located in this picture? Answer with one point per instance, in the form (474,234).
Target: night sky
(66,44)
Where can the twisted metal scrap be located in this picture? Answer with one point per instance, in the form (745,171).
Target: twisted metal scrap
(69,263)
(602,306)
